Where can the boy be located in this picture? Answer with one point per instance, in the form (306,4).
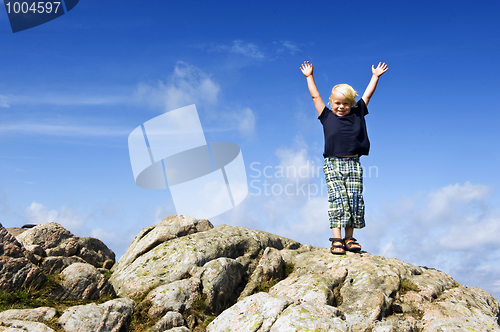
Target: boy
(346,140)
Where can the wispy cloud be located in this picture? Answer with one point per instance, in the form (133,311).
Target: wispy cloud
(62,130)
(252,50)
(187,85)
(247,49)
(240,47)
(286,46)
(37,213)
(64,100)
(242,119)
(3,101)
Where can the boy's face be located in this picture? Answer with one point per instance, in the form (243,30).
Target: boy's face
(340,105)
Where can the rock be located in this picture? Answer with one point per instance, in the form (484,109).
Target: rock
(178,329)
(220,278)
(20,325)
(311,288)
(310,317)
(55,240)
(169,228)
(257,312)
(56,264)
(15,231)
(184,265)
(176,296)
(181,258)
(38,314)
(271,267)
(48,236)
(109,316)
(169,321)
(83,281)
(16,271)
(192,321)
(108,264)
(36,250)
(367,293)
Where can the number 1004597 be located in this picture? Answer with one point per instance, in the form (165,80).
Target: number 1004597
(34,8)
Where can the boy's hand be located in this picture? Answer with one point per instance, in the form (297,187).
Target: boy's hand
(307,68)
(381,68)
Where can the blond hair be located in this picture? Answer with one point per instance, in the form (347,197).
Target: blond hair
(347,91)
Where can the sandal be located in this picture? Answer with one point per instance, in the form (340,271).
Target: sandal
(335,247)
(351,244)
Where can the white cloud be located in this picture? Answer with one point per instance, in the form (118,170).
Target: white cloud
(64,100)
(246,49)
(62,130)
(243,120)
(496,284)
(164,211)
(187,85)
(286,46)
(246,122)
(37,213)
(254,51)
(289,197)
(103,235)
(3,101)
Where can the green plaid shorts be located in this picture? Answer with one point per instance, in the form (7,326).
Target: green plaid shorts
(344,179)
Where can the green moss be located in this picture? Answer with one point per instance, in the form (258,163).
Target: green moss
(143,295)
(140,321)
(289,267)
(201,312)
(107,274)
(266,285)
(204,324)
(41,297)
(407,285)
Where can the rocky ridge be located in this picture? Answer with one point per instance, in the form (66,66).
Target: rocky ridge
(183,274)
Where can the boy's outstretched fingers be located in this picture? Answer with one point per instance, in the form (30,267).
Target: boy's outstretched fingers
(306,68)
(381,68)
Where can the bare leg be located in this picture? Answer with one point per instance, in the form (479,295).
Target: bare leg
(349,231)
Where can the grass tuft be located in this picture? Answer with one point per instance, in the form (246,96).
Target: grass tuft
(140,320)
(266,285)
(289,267)
(407,285)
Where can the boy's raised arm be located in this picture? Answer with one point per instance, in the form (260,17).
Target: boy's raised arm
(376,73)
(307,70)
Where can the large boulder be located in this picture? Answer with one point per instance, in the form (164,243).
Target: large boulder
(176,296)
(56,264)
(12,325)
(34,315)
(254,313)
(83,281)
(361,292)
(169,228)
(16,270)
(220,278)
(51,239)
(106,317)
(184,257)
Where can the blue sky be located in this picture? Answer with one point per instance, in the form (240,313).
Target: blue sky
(73,89)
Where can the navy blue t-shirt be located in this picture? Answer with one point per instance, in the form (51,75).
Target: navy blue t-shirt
(345,135)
